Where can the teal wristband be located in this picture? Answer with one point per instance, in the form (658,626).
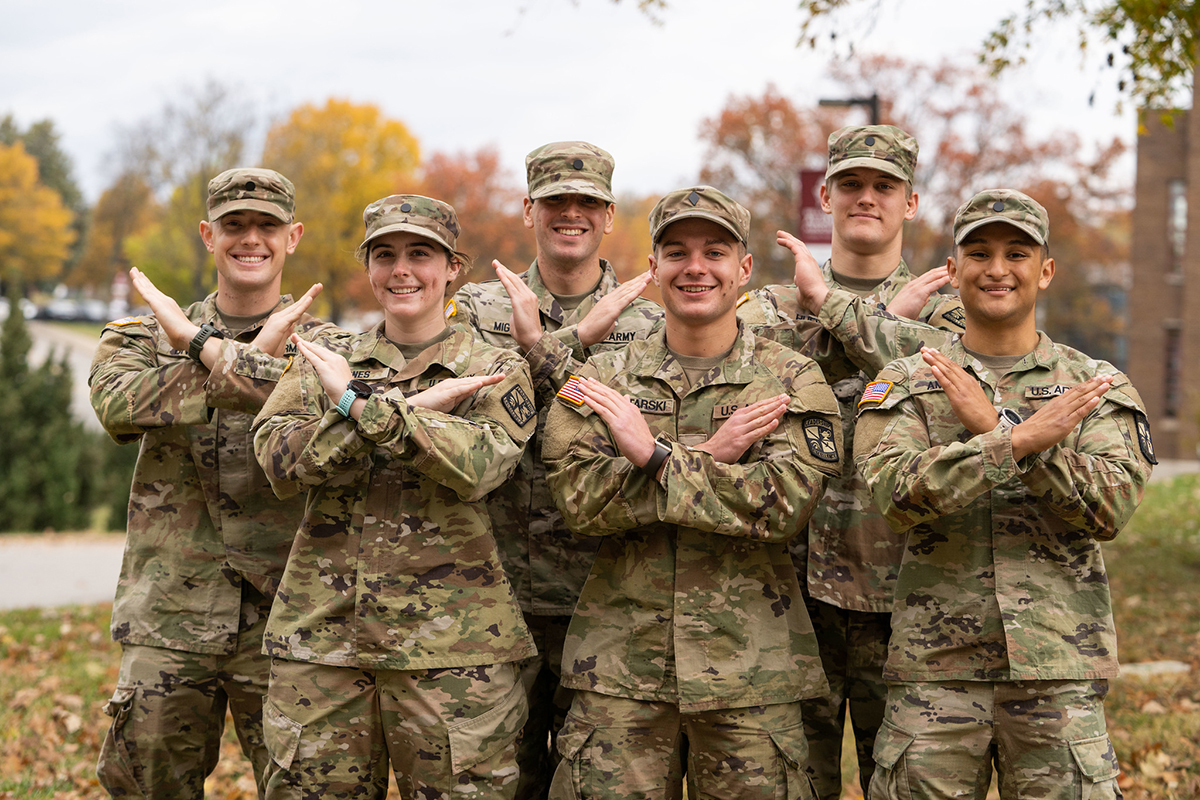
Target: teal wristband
(348,398)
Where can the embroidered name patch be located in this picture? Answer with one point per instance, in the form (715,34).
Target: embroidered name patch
(290,348)
(875,392)
(818,435)
(501,327)
(518,406)
(620,337)
(653,405)
(1046,392)
(570,392)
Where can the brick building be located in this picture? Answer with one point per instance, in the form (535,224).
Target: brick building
(1164,301)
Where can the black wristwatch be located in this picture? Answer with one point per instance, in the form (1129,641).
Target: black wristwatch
(661,451)
(197,344)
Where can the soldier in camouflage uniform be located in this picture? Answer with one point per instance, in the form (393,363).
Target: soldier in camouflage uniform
(694,455)
(206,542)
(568,305)
(850,556)
(1004,459)
(395,632)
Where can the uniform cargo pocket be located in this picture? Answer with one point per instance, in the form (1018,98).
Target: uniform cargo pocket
(571,742)
(890,780)
(117,769)
(479,738)
(1098,768)
(793,749)
(281,734)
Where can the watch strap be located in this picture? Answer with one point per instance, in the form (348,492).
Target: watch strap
(206,332)
(661,451)
(347,400)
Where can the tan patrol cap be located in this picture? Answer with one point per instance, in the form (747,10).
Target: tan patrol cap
(570,168)
(702,202)
(1002,205)
(251,189)
(424,216)
(882,147)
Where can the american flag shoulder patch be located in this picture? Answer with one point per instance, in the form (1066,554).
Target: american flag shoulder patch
(875,392)
(570,391)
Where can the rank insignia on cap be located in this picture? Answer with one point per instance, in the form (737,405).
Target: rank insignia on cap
(1143,433)
(518,406)
(570,391)
(451,309)
(818,435)
(875,392)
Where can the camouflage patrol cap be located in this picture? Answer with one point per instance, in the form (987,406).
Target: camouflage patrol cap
(251,189)
(882,147)
(423,216)
(570,168)
(1002,205)
(703,202)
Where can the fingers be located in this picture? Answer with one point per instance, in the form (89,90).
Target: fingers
(785,239)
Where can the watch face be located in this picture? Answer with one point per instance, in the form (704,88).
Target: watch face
(1010,416)
(360,388)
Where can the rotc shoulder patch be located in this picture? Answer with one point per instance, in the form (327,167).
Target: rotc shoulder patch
(451,309)
(570,392)
(956,316)
(518,406)
(1143,434)
(818,435)
(875,392)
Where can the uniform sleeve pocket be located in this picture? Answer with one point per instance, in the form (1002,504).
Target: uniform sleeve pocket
(479,738)
(281,734)
(1096,759)
(890,745)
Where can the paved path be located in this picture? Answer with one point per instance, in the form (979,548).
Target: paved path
(79,347)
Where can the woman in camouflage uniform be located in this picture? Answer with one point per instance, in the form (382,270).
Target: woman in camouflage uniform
(395,629)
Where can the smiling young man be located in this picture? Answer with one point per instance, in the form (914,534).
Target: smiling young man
(206,539)
(850,554)
(566,307)
(1004,459)
(692,456)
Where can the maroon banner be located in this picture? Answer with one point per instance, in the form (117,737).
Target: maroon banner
(816,227)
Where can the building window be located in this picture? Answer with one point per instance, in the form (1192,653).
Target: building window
(1177,221)
(1171,374)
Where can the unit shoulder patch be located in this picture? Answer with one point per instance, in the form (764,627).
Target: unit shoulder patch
(1143,435)
(819,436)
(518,405)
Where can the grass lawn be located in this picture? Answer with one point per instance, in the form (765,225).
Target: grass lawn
(58,667)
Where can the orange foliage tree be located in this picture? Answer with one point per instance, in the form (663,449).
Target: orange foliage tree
(35,226)
(341,156)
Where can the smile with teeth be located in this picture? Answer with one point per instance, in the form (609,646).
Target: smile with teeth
(405,290)
(570,231)
(695,289)
(250,259)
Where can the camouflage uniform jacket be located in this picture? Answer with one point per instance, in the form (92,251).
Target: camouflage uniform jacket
(694,598)
(394,565)
(1002,577)
(202,518)
(853,555)
(545,561)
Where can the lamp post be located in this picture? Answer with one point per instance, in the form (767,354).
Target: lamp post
(872,104)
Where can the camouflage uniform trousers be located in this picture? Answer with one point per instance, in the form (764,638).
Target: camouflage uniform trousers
(853,651)
(1047,739)
(168,712)
(452,732)
(622,749)
(549,703)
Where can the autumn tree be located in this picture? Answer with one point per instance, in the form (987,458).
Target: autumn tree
(627,247)
(341,156)
(756,146)
(488,201)
(125,209)
(176,152)
(35,226)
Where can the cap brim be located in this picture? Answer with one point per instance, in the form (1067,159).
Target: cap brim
(249,204)
(588,188)
(697,213)
(424,233)
(880,164)
(979,223)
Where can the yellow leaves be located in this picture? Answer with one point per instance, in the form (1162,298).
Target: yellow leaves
(35,226)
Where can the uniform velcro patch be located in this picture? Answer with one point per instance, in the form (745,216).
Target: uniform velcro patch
(451,309)
(1143,433)
(518,406)
(875,392)
(125,321)
(745,296)
(819,436)
(570,391)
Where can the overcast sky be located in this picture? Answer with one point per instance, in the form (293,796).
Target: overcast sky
(466,73)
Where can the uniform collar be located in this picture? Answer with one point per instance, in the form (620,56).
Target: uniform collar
(887,288)
(657,362)
(1043,356)
(550,307)
(209,314)
(451,353)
